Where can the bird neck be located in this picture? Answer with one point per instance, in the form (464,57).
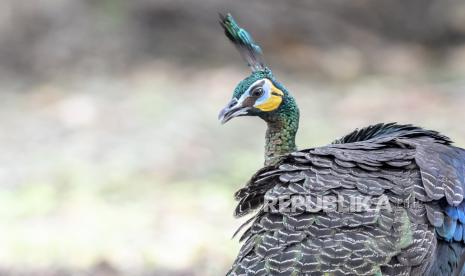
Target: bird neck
(281,132)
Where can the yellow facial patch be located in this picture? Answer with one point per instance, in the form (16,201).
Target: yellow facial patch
(273,101)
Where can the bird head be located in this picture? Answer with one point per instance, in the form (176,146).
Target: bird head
(259,94)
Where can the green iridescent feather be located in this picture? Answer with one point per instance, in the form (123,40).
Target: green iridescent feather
(250,51)
(283,123)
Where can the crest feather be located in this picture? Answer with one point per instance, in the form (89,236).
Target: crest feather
(250,51)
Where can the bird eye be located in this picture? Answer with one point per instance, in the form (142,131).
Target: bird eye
(257,92)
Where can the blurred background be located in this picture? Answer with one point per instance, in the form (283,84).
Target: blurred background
(112,159)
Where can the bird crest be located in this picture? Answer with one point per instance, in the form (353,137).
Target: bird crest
(247,47)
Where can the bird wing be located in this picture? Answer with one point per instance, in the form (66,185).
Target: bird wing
(420,177)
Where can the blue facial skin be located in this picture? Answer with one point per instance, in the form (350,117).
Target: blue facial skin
(247,82)
(242,87)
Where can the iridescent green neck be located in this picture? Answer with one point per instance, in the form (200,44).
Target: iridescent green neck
(282,130)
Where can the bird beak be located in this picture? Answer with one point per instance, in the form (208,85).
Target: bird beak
(231,110)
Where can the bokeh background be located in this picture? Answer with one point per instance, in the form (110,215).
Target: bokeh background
(112,161)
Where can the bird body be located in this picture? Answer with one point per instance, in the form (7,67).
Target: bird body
(383,200)
(416,173)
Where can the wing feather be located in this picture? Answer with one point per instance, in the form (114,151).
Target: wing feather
(419,174)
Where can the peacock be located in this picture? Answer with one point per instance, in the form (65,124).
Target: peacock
(386,199)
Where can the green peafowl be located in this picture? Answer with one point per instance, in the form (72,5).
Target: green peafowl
(383,200)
